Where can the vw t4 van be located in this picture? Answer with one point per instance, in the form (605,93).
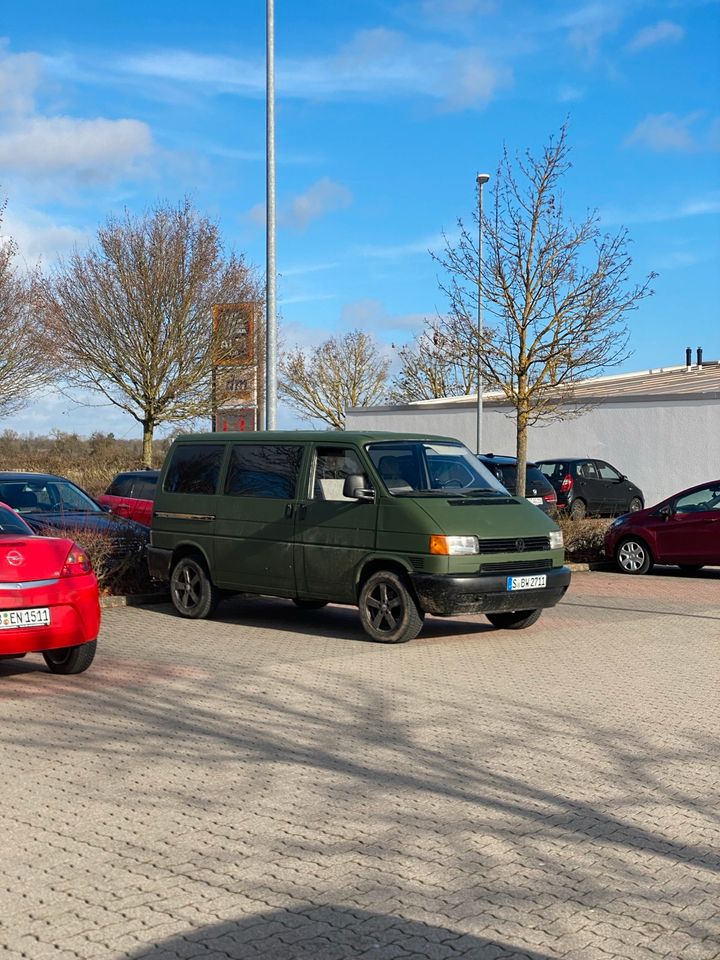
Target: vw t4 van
(399,525)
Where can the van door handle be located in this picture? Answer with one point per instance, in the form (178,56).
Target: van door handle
(288,510)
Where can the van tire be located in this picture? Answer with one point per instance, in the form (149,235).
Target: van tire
(192,592)
(515,619)
(388,611)
(67,660)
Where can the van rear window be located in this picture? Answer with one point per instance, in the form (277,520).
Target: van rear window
(264,470)
(194,468)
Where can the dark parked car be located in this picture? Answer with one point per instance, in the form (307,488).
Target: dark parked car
(131,494)
(49,504)
(538,488)
(588,486)
(684,529)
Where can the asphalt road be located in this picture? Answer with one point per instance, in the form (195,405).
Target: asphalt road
(270,784)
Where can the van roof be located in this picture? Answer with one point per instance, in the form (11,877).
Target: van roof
(295,436)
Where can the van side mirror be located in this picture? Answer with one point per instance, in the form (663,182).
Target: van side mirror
(356,488)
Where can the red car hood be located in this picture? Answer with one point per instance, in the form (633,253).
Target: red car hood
(32,558)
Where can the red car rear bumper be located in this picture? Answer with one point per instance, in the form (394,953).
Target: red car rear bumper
(74,614)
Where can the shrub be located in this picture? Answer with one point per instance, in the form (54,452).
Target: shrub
(119,562)
(584,539)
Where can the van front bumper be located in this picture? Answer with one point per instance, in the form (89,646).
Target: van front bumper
(448,595)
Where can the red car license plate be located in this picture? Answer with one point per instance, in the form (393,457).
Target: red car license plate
(33,617)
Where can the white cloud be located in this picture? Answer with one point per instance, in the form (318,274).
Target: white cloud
(324,197)
(94,150)
(663,32)
(376,63)
(708,205)
(19,78)
(401,250)
(39,238)
(588,25)
(662,132)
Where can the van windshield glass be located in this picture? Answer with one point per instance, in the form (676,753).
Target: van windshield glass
(414,468)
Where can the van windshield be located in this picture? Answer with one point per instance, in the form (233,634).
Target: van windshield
(414,468)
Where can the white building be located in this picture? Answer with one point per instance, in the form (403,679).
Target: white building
(660,427)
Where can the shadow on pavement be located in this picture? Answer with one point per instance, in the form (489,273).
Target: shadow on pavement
(330,932)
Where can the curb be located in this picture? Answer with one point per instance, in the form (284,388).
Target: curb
(593,565)
(134,600)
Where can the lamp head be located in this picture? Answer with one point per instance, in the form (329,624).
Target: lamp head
(482,178)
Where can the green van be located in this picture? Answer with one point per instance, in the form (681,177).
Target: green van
(397,524)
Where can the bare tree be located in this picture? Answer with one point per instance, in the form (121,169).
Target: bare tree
(132,317)
(556,293)
(24,362)
(342,372)
(431,366)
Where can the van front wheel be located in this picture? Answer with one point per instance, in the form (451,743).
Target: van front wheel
(388,611)
(192,592)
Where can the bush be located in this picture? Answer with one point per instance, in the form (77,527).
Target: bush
(120,563)
(584,539)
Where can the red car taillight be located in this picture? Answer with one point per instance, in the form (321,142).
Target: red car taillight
(567,483)
(76,563)
(550,497)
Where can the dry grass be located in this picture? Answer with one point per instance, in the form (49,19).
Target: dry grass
(584,538)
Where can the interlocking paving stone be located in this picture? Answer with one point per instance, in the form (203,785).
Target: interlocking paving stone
(270,784)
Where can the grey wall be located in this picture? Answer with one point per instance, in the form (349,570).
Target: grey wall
(663,445)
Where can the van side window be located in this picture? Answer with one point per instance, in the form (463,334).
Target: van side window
(332,466)
(264,470)
(194,468)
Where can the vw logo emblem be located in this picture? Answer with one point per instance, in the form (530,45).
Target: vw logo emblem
(519,545)
(14,558)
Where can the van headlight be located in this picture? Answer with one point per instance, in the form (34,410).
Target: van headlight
(556,540)
(454,546)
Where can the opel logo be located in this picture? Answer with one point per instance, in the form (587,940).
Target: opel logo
(519,545)
(14,558)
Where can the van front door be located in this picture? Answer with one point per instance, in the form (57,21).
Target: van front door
(334,533)
(256,517)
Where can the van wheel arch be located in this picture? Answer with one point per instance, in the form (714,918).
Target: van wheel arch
(373,566)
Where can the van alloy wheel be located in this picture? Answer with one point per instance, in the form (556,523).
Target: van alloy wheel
(192,592)
(633,556)
(388,610)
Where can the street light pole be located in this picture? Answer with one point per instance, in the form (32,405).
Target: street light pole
(270,269)
(482,178)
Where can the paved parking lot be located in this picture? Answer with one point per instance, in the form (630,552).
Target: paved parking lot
(271,785)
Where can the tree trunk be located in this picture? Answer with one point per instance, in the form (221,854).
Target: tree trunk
(148,429)
(521,428)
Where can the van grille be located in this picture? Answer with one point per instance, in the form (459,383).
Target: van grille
(512,565)
(512,544)
(418,563)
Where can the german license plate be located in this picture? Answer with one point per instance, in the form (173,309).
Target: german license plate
(527,583)
(33,617)
(536,500)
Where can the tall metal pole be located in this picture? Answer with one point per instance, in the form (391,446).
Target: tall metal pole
(482,178)
(270,269)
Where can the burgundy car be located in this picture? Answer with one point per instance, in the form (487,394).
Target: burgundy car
(683,530)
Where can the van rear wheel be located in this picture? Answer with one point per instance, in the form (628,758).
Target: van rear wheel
(192,592)
(388,610)
(515,619)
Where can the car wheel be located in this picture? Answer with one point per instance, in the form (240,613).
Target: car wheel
(66,660)
(633,556)
(578,510)
(515,620)
(192,592)
(690,567)
(309,604)
(635,505)
(388,611)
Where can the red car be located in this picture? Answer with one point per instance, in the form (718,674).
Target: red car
(682,530)
(49,600)
(131,495)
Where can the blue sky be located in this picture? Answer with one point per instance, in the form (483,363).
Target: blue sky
(386,110)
